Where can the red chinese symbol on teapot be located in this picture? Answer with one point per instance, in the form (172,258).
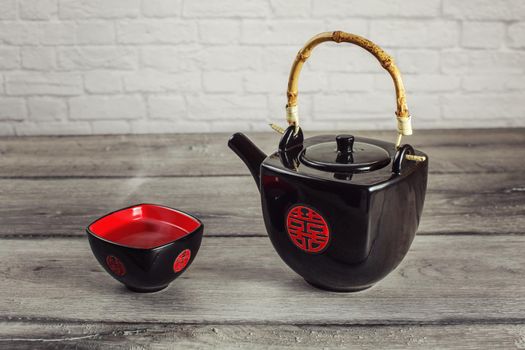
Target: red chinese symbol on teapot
(307,229)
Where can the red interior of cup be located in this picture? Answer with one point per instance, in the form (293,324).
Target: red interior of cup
(144,226)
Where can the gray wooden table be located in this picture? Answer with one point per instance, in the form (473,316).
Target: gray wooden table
(462,285)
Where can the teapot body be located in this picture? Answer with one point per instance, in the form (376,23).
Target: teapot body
(342,232)
(341,211)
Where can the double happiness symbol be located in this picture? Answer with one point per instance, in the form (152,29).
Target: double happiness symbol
(307,229)
(182,260)
(115,265)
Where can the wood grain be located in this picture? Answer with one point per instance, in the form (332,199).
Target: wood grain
(470,203)
(460,287)
(242,280)
(50,335)
(450,151)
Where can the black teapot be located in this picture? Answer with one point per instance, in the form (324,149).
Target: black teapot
(341,210)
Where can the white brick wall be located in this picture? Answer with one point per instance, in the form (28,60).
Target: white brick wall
(141,66)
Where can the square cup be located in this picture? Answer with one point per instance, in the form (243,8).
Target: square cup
(145,246)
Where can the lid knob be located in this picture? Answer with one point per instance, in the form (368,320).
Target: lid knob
(345,143)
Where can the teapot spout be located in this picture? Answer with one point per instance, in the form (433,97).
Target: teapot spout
(250,154)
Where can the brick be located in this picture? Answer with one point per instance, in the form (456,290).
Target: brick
(268,82)
(484,106)
(350,25)
(483,61)
(163,127)
(38,9)
(515,82)
(53,128)
(156,32)
(7,129)
(331,57)
(342,58)
(492,82)
(480,83)
(84,58)
(279,32)
(155,81)
(43,109)
(171,107)
(103,108)
(291,8)
(415,33)
(230,58)
(226,8)
(75,9)
(276,83)
(340,106)
(38,58)
(431,83)
(485,9)
(484,35)
(170,58)
(384,82)
(102,82)
(455,61)
(64,84)
(278,59)
(111,127)
(222,81)
(92,33)
(418,61)
(516,33)
(423,109)
(19,33)
(227,107)
(346,82)
(219,31)
(34,33)
(9,58)
(56,33)
(162,8)
(7,9)
(376,8)
(313,82)
(12,108)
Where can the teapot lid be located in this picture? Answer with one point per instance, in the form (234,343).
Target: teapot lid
(343,154)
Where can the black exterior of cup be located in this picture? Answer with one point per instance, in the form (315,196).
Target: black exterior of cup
(371,226)
(145,270)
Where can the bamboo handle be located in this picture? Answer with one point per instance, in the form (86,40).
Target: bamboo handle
(404,126)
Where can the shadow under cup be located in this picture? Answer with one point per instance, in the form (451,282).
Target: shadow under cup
(145,246)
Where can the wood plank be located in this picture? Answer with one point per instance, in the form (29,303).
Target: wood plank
(451,151)
(242,280)
(17,335)
(470,203)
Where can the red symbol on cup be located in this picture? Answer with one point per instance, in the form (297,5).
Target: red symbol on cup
(115,265)
(307,229)
(182,260)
